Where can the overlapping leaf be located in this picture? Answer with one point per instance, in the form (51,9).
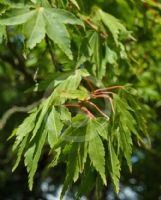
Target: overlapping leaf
(96,151)
(113,24)
(43,20)
(114,165)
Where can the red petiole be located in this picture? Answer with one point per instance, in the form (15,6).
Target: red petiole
(89,84)
(90,115)
(109,88)
(107,97)
(99,93)
(97,108)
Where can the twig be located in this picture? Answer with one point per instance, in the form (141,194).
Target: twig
(95,27)
(14,110)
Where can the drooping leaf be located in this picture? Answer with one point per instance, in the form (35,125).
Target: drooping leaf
(35,29)
(2,33)
(82,155)
(113,166)
(65,115)
(111,56)
(25,128)
(29,157)
(63,16)
(21,149)
(72,173)
(41,21)
(71,83)
(96,52)
(87,182)
(56,158)
(74,94)
(58,33)
(54,127)
(96,152)
(39,141)
(126,143)
(43,114)
(74,2)
(113,24)
(126,128)
(19,16)
(101,125)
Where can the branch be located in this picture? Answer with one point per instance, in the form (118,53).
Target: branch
(14,110)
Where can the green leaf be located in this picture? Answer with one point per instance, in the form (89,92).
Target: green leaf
(35,29)
(82,155)
(29,157)
(126,127)
(97,153)
(39,141)
(113,166)
(63,16)
(20,151)
(87,182)
(101,125)
(65,115)
(72,172)
(57,32)
(25,128)
(74,94)
(113,24)
(75,132)
(71,83)
(54,127)
(74,2)
(95,48)
(41,21)
(2,33)
(56,158)
(43,114)
(126,143)
(111,56)
(19,16)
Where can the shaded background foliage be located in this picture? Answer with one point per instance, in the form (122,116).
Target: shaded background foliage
(142,70)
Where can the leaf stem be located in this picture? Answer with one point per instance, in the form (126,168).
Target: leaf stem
(107,97)
(90,115)
(97,108)
(101,92)
(89,84)
(83,108)
(109,88)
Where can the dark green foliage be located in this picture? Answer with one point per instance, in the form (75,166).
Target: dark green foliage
(89,118)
